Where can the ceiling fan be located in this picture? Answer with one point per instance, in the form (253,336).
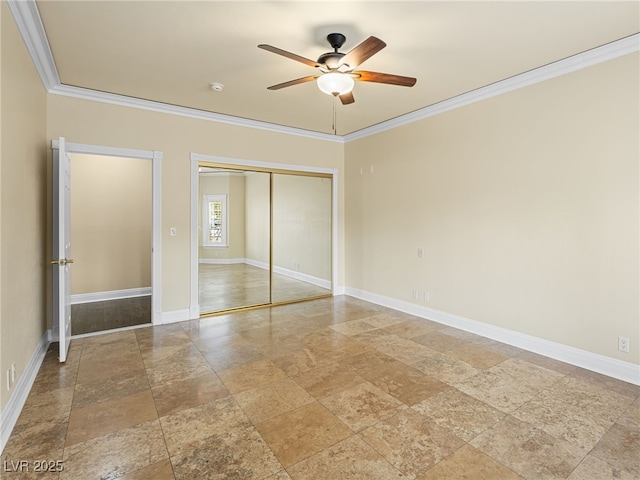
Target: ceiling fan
(338,70)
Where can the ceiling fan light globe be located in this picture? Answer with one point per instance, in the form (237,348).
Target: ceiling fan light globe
(335,83)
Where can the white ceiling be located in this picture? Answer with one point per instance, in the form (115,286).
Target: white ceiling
(170,51)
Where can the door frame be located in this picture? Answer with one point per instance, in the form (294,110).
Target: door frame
(156,208)
(196,158)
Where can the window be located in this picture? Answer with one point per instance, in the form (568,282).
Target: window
(214,225)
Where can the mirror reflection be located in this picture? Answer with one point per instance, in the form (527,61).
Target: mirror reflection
(246,257)
(301,236)
(233,263)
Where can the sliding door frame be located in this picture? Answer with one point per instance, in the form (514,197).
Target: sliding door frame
(269,167)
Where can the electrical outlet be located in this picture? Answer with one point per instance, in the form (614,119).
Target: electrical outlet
(623,344)
(427,298)
(415,294)
(420,252)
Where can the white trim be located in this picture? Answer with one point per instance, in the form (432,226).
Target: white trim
(625,371)
(121,100)
(257,263)
(334,233)
(567,65)
(10,413)
(109,295)
(194,282)
(222,261)
(25,14)
(29,23)
(156,205)
(156,239)
(108,151)
(177,316)
(303,277)
(555,69)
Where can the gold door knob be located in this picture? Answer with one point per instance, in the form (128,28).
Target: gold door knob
(62,261)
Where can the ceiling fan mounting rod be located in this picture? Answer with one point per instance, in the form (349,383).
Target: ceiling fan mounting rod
(336,40)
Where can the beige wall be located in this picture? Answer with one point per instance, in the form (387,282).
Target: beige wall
(83,121)
(110,223)
(302,224)
(257,216)
(24,252)
(527,206)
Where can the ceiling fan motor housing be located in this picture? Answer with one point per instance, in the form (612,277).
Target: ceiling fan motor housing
(332,59)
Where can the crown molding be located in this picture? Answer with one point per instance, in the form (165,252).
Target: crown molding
(121,100)
(576,62)
(25,14)
(27,18)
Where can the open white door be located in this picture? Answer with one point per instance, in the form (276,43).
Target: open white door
(62,247)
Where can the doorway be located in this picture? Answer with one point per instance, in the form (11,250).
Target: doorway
(111,228)
(116,239)
(262,234)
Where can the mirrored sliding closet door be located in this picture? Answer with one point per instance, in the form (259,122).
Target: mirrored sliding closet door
(264,237)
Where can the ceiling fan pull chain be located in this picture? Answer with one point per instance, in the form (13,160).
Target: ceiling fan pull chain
(335,126)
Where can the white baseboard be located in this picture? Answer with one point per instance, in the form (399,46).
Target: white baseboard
(11,411)
(176,316)
(303,277)
(341,290)
(222,261)
(257,263)
(110,295)
(625,371)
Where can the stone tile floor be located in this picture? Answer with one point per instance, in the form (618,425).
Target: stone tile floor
(328,389)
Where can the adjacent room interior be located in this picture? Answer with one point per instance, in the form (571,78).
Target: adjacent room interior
(111,240)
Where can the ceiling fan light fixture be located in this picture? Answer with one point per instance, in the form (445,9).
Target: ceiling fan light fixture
(335,83)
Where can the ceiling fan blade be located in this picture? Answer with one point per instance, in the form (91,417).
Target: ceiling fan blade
(363,51)
(292,56)
(385,78)
(290,83)
(347,98)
